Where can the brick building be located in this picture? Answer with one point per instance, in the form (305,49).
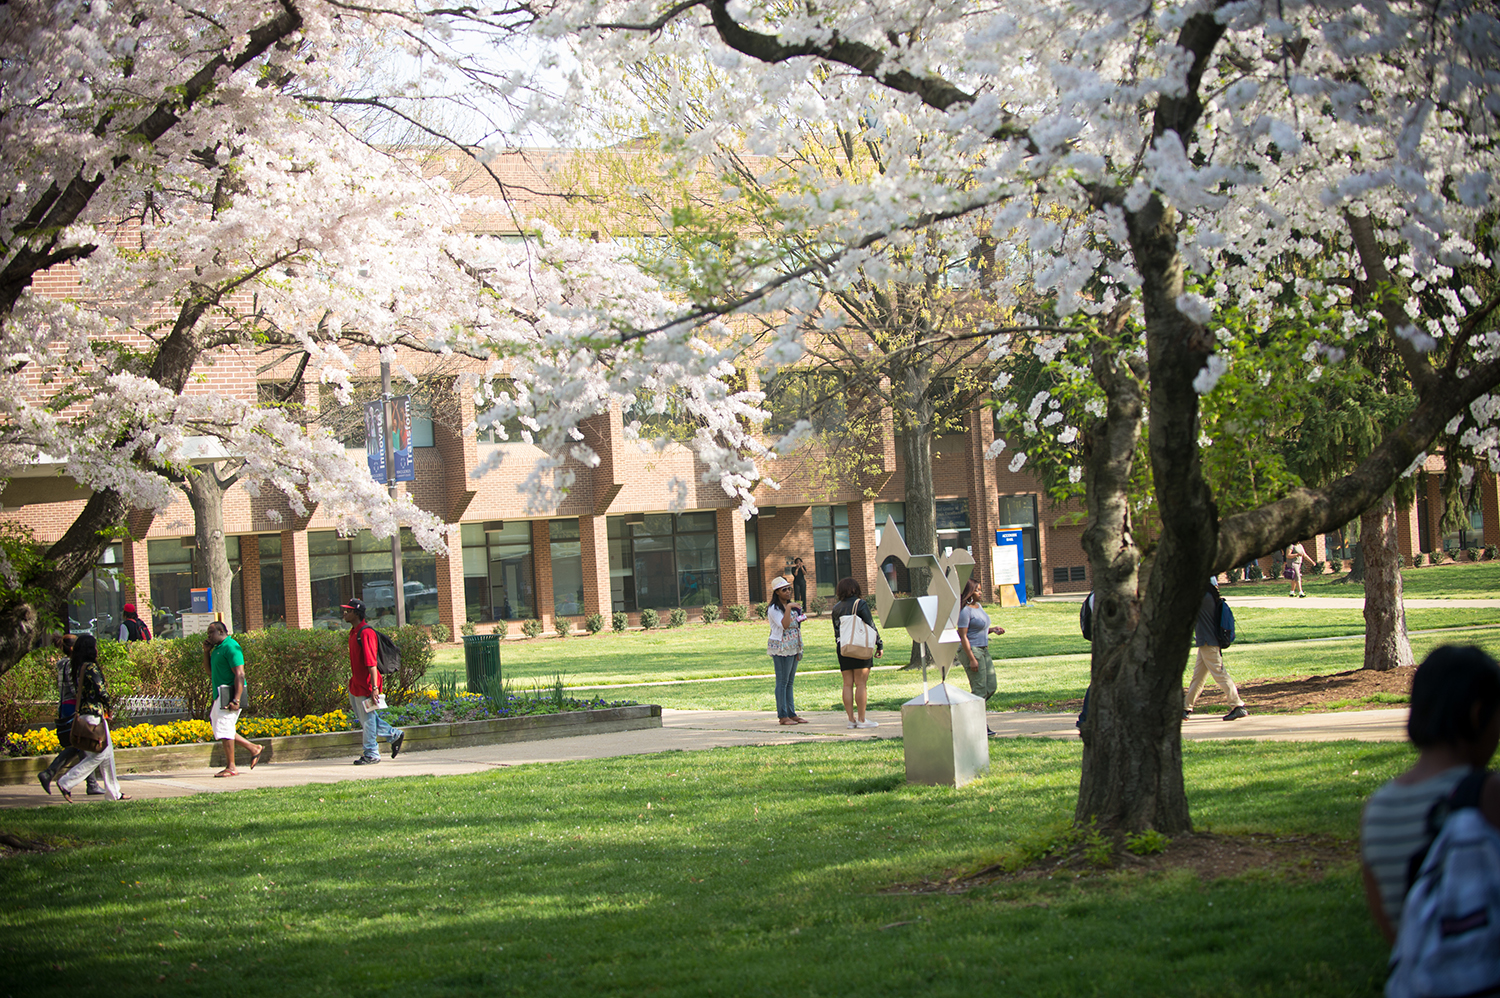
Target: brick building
(611,544)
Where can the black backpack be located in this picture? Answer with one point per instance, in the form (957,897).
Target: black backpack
(136,630)
(1226,621)
(1086,618)
(387,655)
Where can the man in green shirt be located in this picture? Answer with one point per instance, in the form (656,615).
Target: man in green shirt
(225,661)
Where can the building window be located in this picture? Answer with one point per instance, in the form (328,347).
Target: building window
(96,604)
(662,560)
(953,525)
(893,514)
(361,566)
(752,558)
(176,570)
(830,547)
(1019,513)
(567,568)
(272,582)
(499,573)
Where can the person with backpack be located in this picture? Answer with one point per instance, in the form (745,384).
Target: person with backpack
(366,696)
(1454,723)
(1208,633)
(133,628)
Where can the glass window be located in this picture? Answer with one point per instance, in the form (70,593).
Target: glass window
(98,600)
(499,574)
(567,567)
(176,569)
(752,558)
(361,566)
(830,547)
(953,525)
(272,582)
(662,560)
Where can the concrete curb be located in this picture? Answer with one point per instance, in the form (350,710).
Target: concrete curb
(338,744)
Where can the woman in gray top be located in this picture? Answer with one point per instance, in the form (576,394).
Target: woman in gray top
(1455,725)
(974,632)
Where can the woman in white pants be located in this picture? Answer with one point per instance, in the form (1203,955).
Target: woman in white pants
(95,706)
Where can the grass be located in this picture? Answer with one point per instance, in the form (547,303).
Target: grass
(1471,580)
(725,650)
(738,872)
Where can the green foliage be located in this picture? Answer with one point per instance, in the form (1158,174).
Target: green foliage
(531,628)
(1235,575)
(710,613)
(1471,554)
(1491,551)
(467,628)
(446,686)
(1147,843)
(677,617)
(416,659)
(649,618)
(562,625)
(18,585)
(816,605)
(1438,557)
(594,623)
(761,609)
(619,621)
(1318,567)
(736,613)
(440,634)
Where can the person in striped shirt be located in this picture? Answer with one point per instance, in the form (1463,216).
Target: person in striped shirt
(1455,725)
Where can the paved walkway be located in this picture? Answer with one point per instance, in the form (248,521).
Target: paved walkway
(692,730)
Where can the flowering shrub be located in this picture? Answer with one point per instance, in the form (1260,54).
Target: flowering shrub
(38,741)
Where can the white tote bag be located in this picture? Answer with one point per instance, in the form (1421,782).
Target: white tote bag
(856,638)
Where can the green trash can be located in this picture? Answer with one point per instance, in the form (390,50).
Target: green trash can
(482,663)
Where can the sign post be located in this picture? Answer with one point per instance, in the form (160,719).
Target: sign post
(395,419)
(1010,567)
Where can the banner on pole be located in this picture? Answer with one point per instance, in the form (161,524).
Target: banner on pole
(395,413)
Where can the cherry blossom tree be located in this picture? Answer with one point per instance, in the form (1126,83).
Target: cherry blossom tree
(1152,168)
(191,167)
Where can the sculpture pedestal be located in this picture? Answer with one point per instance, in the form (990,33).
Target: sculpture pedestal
(946,739)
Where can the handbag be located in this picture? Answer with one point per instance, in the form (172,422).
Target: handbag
(87,735)
(856,638)
(1287,571)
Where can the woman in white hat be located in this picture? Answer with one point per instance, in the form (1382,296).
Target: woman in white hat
(785,647)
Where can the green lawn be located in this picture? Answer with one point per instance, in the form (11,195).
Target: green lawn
(1023,681)
(738,871)
(702,652)
(1479,580)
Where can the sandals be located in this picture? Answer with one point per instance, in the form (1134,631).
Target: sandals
(255,757)
(785,720)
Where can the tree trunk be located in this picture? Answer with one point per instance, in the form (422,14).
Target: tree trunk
(916,451)
(206,495)
(1386,644)
(1357,562)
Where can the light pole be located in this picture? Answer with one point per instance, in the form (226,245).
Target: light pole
(398,582)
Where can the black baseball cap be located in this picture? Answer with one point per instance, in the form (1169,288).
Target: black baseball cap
(357,605)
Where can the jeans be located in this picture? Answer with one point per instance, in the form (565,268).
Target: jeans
(375,726)
(786,672)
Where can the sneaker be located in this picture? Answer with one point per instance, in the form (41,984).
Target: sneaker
(991,732)
(396,744)
(1187,713)
(1237,713)
(45,779)
(852,724)
(871,723)
(367,760)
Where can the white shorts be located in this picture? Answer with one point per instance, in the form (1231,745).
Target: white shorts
(223,721)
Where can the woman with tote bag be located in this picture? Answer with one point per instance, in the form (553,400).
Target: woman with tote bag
(857,644)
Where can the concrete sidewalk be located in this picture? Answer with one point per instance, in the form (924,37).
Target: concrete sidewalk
(693,730)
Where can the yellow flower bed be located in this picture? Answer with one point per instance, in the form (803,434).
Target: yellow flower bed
(43,741)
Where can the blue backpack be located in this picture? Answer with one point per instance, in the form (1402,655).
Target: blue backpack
(1226,622)
(1449,942)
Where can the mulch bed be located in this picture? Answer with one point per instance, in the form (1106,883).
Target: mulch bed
(1206,854)
(1340,691)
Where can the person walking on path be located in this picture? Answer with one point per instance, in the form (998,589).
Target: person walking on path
(785,647)
(799,582)
(96,707)
(225,661)
(67,706)
(366,699)
(1295,555)
(855,671)
(133,628)
(1454,723)
(974,632)
(1211,658)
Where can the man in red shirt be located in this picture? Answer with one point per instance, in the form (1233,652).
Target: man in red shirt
(365,698)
